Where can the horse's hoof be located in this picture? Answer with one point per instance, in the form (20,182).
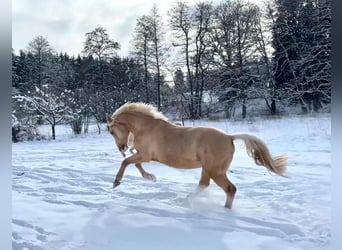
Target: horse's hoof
(150,177)
(153,178)
(116,183)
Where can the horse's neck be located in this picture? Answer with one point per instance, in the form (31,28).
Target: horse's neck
(137,123)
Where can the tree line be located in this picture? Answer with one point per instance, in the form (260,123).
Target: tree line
(201,59)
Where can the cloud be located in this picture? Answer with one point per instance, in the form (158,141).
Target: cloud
(65,22)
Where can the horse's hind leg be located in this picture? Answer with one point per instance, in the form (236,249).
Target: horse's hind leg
(205,180)
(203,183)
(230,190)
(145,175)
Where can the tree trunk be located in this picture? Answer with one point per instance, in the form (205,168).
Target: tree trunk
(317,105)
(86,124)
(273,107)
(244,108)
(158,84)
(53,131)
(305,108)
(146,75)
(158,68)
(98,127)
(201,94)
(77,125)
(191,104)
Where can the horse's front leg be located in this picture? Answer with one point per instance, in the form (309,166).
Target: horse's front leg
(136,158)
(146,175)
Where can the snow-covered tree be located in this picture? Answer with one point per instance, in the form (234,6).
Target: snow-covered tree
(47,105)
(263,32)
(234,46)
(302,48)
(202,21)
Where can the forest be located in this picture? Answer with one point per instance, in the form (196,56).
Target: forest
(199,62)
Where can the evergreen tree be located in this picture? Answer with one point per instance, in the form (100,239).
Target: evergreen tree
(302,45)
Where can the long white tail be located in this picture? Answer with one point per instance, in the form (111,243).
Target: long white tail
(258,150)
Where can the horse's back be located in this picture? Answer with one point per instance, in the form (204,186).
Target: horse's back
(190,147)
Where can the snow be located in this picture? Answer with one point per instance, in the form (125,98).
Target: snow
(63,196)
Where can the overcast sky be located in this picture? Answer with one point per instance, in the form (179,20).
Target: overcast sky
(65,22)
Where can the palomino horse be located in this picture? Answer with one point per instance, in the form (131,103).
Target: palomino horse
(130,141)
(183,147)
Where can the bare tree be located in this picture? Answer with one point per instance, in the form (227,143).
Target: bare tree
(157,46)
(201,21)
(149,47)
(180,21)
(234,48)
(41,50)
(141,48)
(100,46)
(263,27)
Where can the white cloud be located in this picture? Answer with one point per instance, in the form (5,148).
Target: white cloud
(65,22)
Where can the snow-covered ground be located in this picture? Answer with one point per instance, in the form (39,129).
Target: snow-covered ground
(63,196)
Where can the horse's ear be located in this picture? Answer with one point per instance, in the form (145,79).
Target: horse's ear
(109,119)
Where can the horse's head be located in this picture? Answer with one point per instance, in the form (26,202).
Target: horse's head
(120,133)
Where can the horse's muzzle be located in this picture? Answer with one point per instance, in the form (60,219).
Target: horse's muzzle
(123,149)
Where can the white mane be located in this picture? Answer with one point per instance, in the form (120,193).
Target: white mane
(144,108)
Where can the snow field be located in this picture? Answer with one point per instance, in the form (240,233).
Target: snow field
(63,196)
